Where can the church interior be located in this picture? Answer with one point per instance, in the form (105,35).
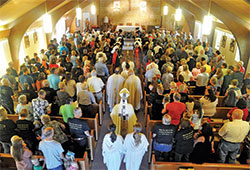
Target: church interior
(125,84)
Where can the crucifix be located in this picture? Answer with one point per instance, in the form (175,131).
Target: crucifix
(129,5)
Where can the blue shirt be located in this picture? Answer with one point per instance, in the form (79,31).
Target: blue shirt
(65,49)
(26,79)
(54,80)
(51,151)
(101,69)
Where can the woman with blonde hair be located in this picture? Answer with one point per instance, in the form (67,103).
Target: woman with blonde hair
(186,73)
(135,146)
(21,154)
(7,130)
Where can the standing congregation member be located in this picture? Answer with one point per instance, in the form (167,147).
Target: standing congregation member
(232,133)
(201,81)
(26,78)
(135,145)
(95,86)
(40,105)
(6,95)
(163,135)
(54,79)
(21,154)
(79,131)
(112,149)
(52,150)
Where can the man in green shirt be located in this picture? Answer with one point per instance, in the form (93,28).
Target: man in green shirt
(67,110)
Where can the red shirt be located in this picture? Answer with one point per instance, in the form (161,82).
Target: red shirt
(175,110)
(245,113)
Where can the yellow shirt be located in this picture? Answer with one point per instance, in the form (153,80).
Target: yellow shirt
(234,131)
(208,68)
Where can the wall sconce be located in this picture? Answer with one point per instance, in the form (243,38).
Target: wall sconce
(143,6)
(93,9)
(78,13)
(47,24)
(116,5)
(178,14)
(165,10)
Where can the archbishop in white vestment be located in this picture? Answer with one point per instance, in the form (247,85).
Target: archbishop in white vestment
(112,152)
(134,154)
(114,85)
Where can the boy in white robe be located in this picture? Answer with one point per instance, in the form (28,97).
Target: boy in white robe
(135,146)
(112,149)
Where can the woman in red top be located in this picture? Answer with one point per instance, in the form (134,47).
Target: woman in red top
(53,63)
(241,104)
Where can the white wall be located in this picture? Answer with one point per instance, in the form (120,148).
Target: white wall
(5,56)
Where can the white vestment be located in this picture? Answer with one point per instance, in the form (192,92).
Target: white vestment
(112,152)
(133,153)
(117,120)
(114,85)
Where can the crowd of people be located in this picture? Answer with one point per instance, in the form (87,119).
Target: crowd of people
(69,79)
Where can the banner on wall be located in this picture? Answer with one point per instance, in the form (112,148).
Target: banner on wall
(35,37)
(26,41)
(223,41)
(232,45)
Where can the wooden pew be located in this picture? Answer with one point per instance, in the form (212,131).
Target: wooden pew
(93,123)
(220,99)
(7,161)
(155,165)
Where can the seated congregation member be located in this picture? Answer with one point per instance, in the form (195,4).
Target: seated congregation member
(155,100)
(29,93)
(67,110)
(52,150)
(50,92)
(70,85)
(62,95)
(6,95)
(197,115)
(242,105)
(7,130)
(112,149)
(232,95)
(232,133)
(54,79)
(184,141)
(135,146)
(21,154)
(175,109)
(201,82)
(40,105)
(22,104)
(79,131)
(203,146)
(180,82)
(25,130)
(87,102)
(209,103)
(163,135)
(58,127)
(95,86)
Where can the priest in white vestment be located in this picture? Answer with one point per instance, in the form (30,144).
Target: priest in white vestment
(112,149)
(114,86)
(133,84)
(135,146)
(123,115)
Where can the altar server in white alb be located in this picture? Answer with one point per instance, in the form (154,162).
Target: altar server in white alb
(114,86)
(112,149)
(135,146)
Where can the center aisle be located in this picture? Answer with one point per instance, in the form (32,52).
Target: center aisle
(98,164)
